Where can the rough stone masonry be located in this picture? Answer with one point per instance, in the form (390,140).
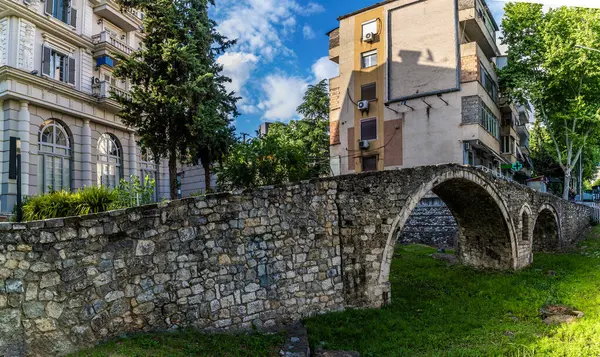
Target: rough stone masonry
(262,257)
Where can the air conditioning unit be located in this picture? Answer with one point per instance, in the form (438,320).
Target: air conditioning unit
(370,37)
(363,105)
(363,145)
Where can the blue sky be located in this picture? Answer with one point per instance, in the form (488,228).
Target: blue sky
(282,48)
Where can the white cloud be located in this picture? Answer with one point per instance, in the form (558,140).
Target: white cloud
(261,26)
(308,32)
(325,69)
(238,66)
(283,94)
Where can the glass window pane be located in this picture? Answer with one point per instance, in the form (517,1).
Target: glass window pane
(368,92)
(368,129)
(370,27)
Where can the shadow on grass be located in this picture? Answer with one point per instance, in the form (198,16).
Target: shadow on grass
(441,310)
(189,343)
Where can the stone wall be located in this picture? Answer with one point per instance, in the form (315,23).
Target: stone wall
(227,262)
(430,225)
(255,258)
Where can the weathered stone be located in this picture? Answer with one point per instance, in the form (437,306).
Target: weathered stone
(54,309)
(143,308)
(45,325)
(114,295)
(144,247)
(48,280)
(34,309)
(14,286)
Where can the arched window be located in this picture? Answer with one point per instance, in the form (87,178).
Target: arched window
(54,166)
(110,161)
(149,169)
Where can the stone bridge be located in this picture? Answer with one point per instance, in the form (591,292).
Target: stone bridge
(261,257)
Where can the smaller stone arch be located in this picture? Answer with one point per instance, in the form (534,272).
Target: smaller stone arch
(546,229)
(526,223)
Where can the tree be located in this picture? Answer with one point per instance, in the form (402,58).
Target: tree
(560,80)
(177,95)
(289,152)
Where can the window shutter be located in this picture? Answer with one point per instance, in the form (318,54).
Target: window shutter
(73,18)
(46,54)
(71,70)
(49,6)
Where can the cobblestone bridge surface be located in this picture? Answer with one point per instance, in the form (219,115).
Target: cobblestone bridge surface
(256,258)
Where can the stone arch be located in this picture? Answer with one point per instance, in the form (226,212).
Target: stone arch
(458,188)
(546,231)
(526,223)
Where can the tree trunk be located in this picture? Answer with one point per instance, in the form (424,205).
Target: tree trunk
(207,177)
(173,173)
(567,185)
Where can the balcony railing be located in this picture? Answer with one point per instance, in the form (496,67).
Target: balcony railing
(105,37)
(104,90)
(486,17)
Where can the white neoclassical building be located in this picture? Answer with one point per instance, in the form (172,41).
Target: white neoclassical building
(55,84)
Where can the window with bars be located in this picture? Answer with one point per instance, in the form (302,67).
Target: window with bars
(54,166)
(110,161)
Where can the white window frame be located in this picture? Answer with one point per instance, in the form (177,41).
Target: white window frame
(365,26)
(54,152)
(109,161)
(366,55)
(376,128)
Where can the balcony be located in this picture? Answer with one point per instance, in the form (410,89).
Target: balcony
(524,115)
(104,91)
(334,45)
(127,19)
(105,44)
(479,25)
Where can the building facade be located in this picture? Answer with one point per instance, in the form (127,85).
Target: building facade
(56,63)
(417,86)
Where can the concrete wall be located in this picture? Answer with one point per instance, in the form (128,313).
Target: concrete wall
(427,129)
(257,258)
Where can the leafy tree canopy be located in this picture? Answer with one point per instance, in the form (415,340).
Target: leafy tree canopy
(178,103)
(562,81)
(289,152)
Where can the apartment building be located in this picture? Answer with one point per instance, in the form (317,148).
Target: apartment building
(56,63)
(417,86)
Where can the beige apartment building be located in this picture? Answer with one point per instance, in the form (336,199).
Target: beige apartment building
(417,86)
(56,62)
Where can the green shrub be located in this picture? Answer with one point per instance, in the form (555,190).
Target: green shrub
(89,200)
(94,199)
(133,193)
(51,205)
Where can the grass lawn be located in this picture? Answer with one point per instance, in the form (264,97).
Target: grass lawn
(188,343)
(440,310)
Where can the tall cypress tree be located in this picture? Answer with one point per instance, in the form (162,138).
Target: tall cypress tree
(178,96)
